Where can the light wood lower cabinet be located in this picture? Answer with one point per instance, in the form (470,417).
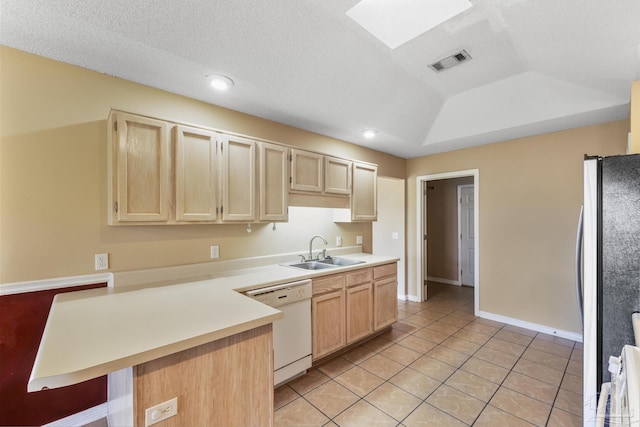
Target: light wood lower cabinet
(359,312)
(228,382)
(327,320)
(385,295)
(351,306)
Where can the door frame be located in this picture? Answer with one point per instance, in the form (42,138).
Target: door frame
(459,190)
(421,273)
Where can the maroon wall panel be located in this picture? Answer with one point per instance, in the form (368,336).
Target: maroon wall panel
(22,320)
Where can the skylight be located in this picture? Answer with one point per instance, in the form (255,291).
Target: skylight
(395,22)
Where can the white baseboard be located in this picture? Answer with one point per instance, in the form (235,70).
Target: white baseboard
(445,281)
(413,298)
(56,283)
(81,418)
(532,326)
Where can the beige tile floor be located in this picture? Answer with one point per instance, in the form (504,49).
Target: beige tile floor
(440,365)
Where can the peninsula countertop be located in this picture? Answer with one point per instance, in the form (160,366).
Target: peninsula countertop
(94,332)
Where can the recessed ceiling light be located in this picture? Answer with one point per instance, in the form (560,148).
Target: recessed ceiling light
(369,133)
(220,82)
(396,22)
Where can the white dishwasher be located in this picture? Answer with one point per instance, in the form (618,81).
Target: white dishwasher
(291,335)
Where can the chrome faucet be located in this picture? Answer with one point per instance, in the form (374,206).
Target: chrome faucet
(311,245)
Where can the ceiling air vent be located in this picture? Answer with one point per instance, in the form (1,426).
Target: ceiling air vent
(451,61)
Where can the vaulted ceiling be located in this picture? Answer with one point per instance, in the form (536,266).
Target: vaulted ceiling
(537,65)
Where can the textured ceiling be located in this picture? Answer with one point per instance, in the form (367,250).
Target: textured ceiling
(538,65)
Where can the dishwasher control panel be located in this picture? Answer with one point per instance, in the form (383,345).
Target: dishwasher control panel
(279,295)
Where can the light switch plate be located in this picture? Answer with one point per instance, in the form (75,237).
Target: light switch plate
(358,240)
(161,412)
(339,241)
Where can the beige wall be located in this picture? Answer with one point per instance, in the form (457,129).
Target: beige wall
(442,228)
(53,176)
(634,116)
(530,192)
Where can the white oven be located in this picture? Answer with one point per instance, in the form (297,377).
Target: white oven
(291,335)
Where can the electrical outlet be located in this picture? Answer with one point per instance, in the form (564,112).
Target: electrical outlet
(215,251)
(358,240)
(339,241)
(161,412)
(102,262)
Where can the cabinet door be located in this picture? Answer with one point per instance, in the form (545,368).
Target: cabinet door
(364,204)
(196,170)
(306,171)
(337,176)
(141,170)
(328,323)
(238,179)
(385,304)
(274,176)
(359,312)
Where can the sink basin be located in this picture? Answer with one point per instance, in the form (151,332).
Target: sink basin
(342,262)
(311,265)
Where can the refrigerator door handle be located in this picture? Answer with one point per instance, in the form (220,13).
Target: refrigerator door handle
(579,266)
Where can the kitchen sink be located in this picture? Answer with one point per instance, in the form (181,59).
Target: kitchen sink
(328,262)
(341,262)
(311,265)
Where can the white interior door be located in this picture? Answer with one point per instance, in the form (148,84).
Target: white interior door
(466,226)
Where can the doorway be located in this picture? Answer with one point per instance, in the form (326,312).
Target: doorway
(422,191)
(466,220)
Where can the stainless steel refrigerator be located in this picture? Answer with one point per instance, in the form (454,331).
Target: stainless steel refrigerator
(610,265)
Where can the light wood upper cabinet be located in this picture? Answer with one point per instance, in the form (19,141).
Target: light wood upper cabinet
(139,170)
(238,179)
(364,204)
(161,172)
(274,180)
(337,176)
(306,171)
(196,173)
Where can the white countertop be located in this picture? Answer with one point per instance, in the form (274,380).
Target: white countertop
(94,332)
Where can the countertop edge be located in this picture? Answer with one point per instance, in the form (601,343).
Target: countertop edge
(75,377)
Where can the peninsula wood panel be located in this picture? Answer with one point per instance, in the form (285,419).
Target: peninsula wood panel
(196,174)
(228,382)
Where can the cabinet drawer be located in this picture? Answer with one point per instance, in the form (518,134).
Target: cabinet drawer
(385,270)
(359,276)
(326,284)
